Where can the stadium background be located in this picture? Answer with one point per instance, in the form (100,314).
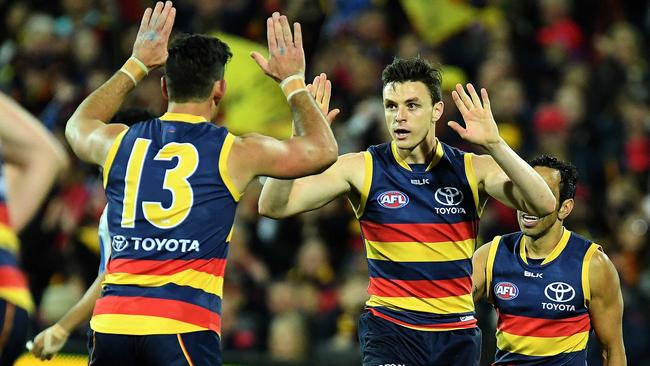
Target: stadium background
(565,77)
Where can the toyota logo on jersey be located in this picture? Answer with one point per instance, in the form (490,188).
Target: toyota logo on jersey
(506,290)
(393,199)
(559,292)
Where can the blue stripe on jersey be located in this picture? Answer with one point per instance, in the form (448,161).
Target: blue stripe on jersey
(419,270)
(169,291)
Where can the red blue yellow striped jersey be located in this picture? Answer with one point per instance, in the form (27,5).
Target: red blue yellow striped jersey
(13,283)
(171,207)
(542,311)
(420,230)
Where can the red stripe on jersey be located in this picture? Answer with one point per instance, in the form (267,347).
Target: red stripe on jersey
(4,214)
(12,277)
(213,266)
(423,233)
(537,327)
(420,288)
(466,324)
(170,309)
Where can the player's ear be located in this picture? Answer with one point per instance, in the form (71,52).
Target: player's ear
(163,87)
(438,109)
(565,208)
(218,90)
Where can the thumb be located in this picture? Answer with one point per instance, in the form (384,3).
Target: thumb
(332,115)
(456,127)
(261,61)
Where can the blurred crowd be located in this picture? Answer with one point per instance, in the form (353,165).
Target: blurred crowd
(567,77)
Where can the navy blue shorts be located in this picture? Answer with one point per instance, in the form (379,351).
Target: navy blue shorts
(387,344)
(14,322)
(195,349)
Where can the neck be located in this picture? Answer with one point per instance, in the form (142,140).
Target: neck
(203,109)
(422,153)
(540,247)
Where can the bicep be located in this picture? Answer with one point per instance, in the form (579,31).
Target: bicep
(606,304)
(493,182)
(92,139)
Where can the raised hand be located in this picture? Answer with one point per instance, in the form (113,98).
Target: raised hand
(321,90)
(286,55)
(150,45)
(480,127)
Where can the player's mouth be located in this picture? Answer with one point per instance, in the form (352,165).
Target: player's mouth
(529,220)
(401,133)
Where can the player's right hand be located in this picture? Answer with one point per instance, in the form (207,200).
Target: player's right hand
(321,90)
(286,55)
(49,342)
(150,45)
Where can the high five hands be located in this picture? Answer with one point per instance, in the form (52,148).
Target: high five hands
(286,55)
(150,44)
(480,127)
(321,90)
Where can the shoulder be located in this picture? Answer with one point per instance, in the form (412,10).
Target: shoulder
(602,272)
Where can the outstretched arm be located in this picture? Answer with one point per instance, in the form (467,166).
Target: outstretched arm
(33,160)
(606,309)
(87,132)
(312,148)
(50,341)
(502,174)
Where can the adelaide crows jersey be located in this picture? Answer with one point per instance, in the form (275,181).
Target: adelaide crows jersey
(13,283)
(171,206)
(420,230)
(543,317)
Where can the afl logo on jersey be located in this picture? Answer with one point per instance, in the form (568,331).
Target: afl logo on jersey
(506,291)
(449,196)
(393,199)
(119,243)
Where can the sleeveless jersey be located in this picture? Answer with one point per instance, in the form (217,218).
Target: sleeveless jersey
(171,207)
(13,283)
(542,308)
(420,232)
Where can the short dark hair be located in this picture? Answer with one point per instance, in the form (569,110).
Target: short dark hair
(568,174)
(415,69)
(195,62)
(131,116)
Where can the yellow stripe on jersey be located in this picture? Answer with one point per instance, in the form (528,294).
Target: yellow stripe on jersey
(111,155)
(420,252)
(232,230)
(367,182)
(182,117)
(438,155)
(189,277)
(566,235)
(140,325)
(223,167)
(473,184)
(586,288)
(398,159)
(8,239)
(541,346)
(490,265)
(441,305)
(18,296)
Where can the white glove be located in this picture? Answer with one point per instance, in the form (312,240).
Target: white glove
(49,342)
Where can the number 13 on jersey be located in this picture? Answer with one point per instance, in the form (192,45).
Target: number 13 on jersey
(176,181)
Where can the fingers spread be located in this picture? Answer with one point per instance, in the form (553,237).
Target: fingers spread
(456,127)
(475,99)
(463,96)
(486,99)
(459,103)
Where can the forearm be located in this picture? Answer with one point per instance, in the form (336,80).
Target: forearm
(274,198)
(535,195)
(310,124)
(97,109)
(614,355)
(83,309)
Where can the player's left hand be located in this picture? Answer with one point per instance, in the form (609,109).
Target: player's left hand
(150,45)
(321,90)
(49,342)
(480,127)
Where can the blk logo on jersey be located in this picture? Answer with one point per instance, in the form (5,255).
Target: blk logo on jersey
(506,291)
(559,292)
(393,199)
(449,196)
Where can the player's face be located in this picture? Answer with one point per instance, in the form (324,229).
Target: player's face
(409,113)
(534,226)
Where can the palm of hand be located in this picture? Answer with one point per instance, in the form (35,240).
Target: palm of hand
(480,127)
(150,44)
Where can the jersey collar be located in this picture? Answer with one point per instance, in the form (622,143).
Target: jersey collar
(182,117)
(436,157)
(564,240)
